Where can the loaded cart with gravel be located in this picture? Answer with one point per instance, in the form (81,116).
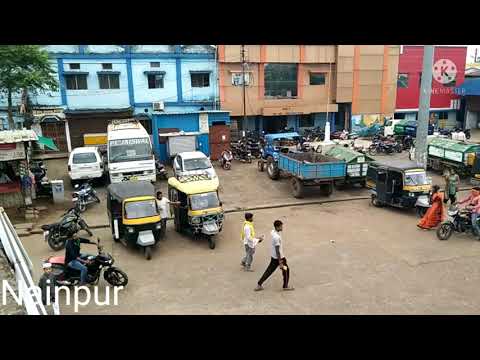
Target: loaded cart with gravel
(308,169)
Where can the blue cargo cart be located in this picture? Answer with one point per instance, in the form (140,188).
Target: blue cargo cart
(308,169)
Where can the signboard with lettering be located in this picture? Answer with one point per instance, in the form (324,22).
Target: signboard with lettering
(12,152)
(136,141)
(203,123)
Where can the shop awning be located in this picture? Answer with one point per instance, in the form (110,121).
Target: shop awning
(47,142)
(470,87)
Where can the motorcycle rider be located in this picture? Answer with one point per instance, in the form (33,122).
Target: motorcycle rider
(473,201)
(73,256)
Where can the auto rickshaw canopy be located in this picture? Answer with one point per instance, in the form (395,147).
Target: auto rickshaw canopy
(130,189)
(191,187)
(399,165)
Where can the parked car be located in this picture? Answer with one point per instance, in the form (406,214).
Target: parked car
(85,163)
(193,163)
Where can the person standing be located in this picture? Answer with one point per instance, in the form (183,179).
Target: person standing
(249,241)
(451,186)
(163,207)
(47,287)
(436,213)
(278,259)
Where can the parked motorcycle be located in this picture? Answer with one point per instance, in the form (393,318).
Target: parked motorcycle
(384,147)
(161,170)
(56,234)
(460,221)
(84,195)
(66,276)
(240,152)
(43,186)
(226,159)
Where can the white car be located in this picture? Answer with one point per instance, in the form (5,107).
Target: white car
(193,163)
(85,163)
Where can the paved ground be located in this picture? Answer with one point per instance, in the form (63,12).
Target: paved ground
(378,263)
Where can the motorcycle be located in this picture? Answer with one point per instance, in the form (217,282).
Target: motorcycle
(407,142)
(226,159)
(460,221)
(161,170)
(56,234)
(66,276)
(84,195)
(241,153)
(43,186)
(384,147)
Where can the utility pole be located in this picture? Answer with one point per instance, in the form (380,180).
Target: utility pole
(242,53)
(424,106)
(475,60)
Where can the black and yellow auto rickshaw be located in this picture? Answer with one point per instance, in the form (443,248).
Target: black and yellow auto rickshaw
(133,214)
(200,212)
(475,179)
(402,184)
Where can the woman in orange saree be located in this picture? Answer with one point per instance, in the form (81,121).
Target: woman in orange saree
(436,213)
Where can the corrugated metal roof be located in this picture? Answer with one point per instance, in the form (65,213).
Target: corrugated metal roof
(15,136)
(453,145)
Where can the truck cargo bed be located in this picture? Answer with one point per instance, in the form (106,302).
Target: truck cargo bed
(310,166)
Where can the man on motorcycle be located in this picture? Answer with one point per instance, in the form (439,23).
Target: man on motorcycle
(473,204)
(73,256)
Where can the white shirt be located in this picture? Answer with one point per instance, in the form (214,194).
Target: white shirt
(163,207)
(248,239)
(276,241)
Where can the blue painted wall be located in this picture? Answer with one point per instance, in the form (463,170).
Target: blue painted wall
(188,122)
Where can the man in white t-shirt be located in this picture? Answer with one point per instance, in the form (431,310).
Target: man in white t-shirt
(164,208)
(278,259)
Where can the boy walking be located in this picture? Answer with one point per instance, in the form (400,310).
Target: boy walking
(47,286)
(278,259)
(249,241)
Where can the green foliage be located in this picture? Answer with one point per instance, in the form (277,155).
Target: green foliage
(25,67)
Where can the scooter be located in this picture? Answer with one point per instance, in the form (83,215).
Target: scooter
(460,221)
(84,195)
(66,276)
(56,234)
(226,159)
(161,170)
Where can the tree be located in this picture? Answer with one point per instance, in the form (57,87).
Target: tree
(24,68)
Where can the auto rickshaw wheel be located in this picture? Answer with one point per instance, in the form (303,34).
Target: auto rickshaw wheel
(211,242)
(297,188)
(420,210)
(375,201)
(147,250)
(260,165)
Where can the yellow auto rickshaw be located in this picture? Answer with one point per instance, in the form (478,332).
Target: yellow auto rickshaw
(200,212)
(134,215)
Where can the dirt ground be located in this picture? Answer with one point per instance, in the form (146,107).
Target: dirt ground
(345,258)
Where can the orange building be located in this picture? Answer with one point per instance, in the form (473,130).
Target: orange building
(298,86)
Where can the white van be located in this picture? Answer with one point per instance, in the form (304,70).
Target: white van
(85,163)
(130,154)
(193,163)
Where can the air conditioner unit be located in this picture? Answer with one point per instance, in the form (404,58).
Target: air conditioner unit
(158,106)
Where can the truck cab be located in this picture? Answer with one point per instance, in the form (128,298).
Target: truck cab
(388,129)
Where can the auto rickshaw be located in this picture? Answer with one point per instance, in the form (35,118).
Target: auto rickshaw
(133,214)
(475,179)
(200,211)
(402,184)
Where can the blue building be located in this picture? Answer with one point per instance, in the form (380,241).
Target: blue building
(99,83)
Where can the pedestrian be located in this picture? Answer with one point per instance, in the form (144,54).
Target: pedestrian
(278,259)
(250,242)
(451,186)
(162,204)
(436,213)
(47,287)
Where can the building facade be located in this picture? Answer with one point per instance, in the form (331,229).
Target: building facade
(444,103)
(300,86)
(99,83)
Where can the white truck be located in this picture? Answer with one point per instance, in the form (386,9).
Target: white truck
(388,129)
(129,152)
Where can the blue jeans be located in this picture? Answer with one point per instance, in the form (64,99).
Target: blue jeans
(77,265)
(476,228)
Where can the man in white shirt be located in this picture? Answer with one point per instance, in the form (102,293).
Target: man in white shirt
(278,259)
(249,241)
(164,208)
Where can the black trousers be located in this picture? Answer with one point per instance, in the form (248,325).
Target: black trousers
(451,197)
(272,267)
